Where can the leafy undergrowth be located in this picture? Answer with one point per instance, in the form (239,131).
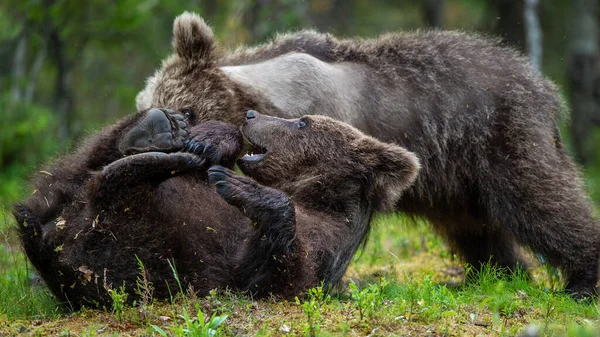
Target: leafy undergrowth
(404,283)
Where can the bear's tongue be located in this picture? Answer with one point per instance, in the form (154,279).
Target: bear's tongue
(253,157)
(254,152)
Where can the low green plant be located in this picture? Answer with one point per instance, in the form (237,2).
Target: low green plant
(312,307)
(369,299)
(195,326)
(424,299)
(179,294)
(143,287)
(119,299)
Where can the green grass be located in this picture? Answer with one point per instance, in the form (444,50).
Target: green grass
(20,296)
(404,283)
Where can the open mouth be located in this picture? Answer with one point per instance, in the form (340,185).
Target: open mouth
(254,153)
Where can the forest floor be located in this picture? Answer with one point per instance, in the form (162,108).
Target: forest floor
(404,283)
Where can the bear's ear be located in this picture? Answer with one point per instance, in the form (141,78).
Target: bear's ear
(192,37)
(393,170)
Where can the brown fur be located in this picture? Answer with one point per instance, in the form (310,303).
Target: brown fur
(154,207)
(495,172)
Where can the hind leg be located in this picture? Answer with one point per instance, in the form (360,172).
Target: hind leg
(41,251)
(542,203)
(477,243)
(568,242)
(564,232)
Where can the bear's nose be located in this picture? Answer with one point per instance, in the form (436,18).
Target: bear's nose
(250,114)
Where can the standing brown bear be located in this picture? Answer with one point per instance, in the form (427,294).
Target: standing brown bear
(495,173)
(87,225)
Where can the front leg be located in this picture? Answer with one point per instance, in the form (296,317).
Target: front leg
(269,260)
(138,173)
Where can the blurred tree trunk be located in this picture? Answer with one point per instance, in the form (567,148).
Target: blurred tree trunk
(510,22)
(434,13)
(34,73)
(533,32)
(23,80)
(18,67)
(251,18)
(583,78)
(63,94)
(209,9)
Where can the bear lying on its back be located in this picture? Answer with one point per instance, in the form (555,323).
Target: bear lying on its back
(325,180)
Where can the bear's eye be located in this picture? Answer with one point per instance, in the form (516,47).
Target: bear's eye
(301,123)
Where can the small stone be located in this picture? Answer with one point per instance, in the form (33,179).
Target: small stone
(284,328)
(522,295)
(531,331)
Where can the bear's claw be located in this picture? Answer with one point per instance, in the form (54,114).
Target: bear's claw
(241,191)
(230,186)
(203,150)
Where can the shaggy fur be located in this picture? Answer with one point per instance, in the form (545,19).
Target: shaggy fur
(157,207)
(495,172)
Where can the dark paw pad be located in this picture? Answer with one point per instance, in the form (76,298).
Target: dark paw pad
(158,130)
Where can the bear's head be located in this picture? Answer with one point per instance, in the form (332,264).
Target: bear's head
(190,79)
(329,154)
